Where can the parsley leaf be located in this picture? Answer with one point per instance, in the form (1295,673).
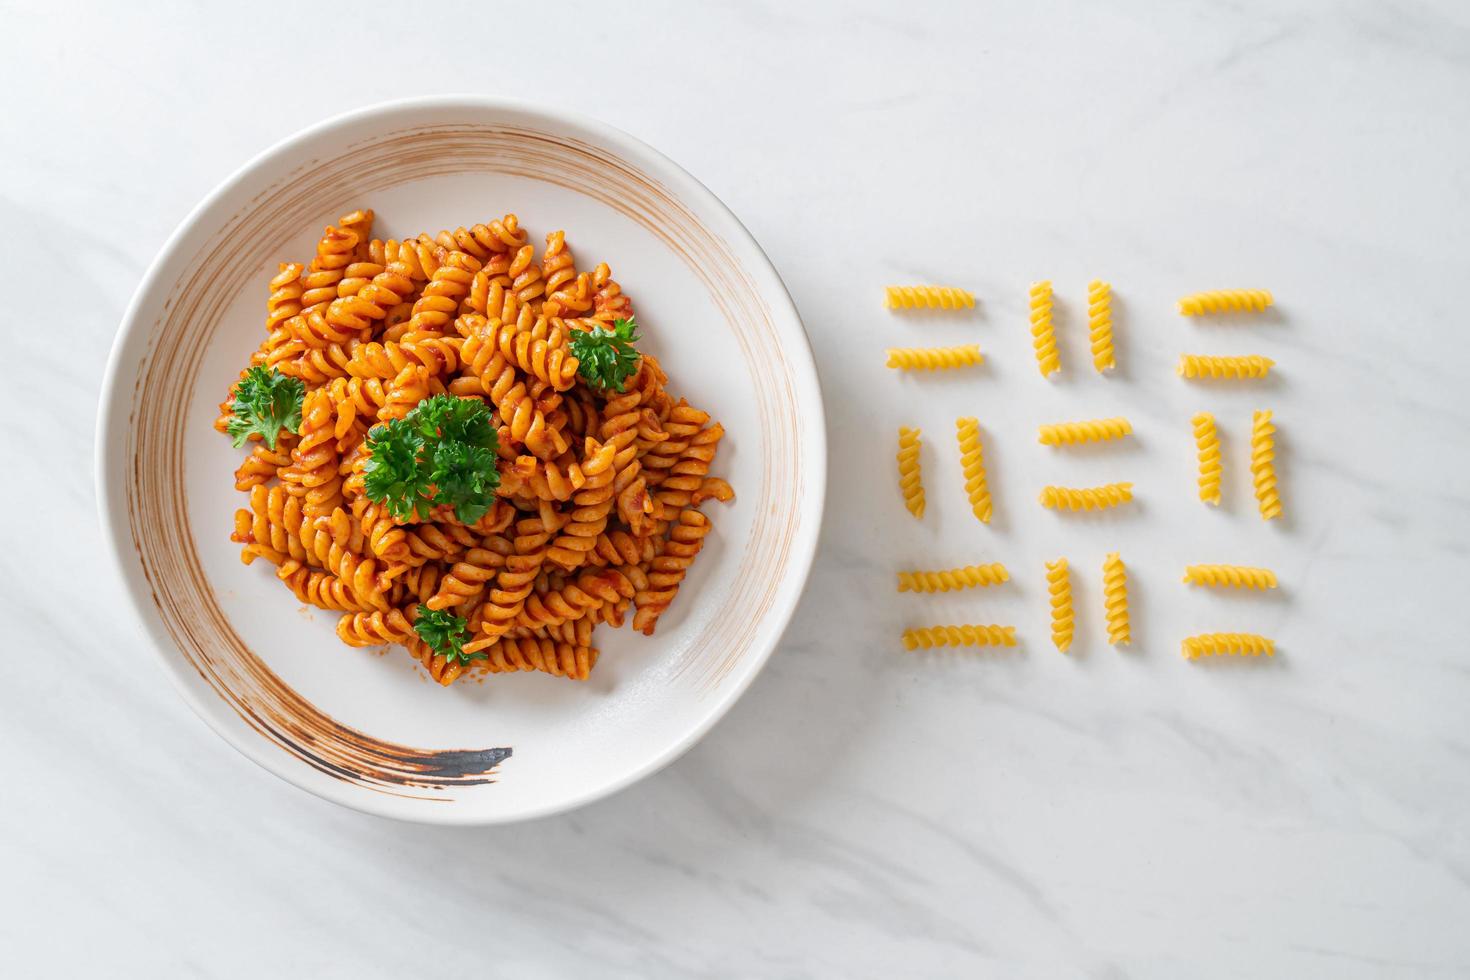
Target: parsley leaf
(465,477)
(445,633)
(605,358)
(265,402)
(442,452)
(393,474)
(465,420)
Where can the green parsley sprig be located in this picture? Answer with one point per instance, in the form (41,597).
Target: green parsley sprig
(441,453)
(265,402)
(605,358)
(445,633)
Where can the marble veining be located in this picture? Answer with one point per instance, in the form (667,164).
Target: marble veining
(862,812)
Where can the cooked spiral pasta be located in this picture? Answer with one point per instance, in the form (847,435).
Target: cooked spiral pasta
(969,635)
(933,297)
(1043,334)
(1225,301)
(967,431)
(1227,644)
(968,577)
(1100,325)
(1238,368)
(910,477)
(1263,466)
(1115,600)
(1059,586)
(934,358)
(594,519)
(1230,576)
(1086,498)
(1091,430)
(1207,445)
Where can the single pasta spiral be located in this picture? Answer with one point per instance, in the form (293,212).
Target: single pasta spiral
(967,430)
(968,577)
(934,358)
(1091,430)
(1206,366)
(1263,469)
(1207,444)
(910,479)
(1115,600)
(1230,576)
(1042,334)
(1225,301)
(1227,644)
(1059,584)
(1100,324)
(934,297)
(930,637)
(1086,498)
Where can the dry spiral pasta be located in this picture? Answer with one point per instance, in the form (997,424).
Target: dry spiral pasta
(968,577)
(1263,466)
(934,358)
(969,635)
(1086,498)
(1115,600)
(1227,644)
(967,431)
(1207,446)
(1043,334)
(596,518)
(1100,325)
(1059,586)
(933,297)
(910,477)
(1230,576)
(1225,301)
(1226,368)
(1090,430)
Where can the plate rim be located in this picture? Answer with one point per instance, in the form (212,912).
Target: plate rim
(109,455)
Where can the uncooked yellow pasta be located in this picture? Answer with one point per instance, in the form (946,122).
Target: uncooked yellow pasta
(1207,445)
(1043,335)
(1237,368)
(1230,576)
(1100,324)
(1225,301)
(1086,498)
(934,297)
(968,635)
(910,478)
(951,579)
(1115,600)
(1263,466)
(1059,585)
(459,449)
(934,358)
(1227,644)
(967,430)
(1089,430)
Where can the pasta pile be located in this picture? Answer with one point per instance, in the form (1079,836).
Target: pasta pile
(596,513)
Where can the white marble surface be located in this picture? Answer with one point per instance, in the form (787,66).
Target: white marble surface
(862,812)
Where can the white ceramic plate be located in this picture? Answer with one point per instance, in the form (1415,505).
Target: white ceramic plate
(371,731)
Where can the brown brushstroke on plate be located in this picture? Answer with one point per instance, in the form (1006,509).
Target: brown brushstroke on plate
(157,496)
